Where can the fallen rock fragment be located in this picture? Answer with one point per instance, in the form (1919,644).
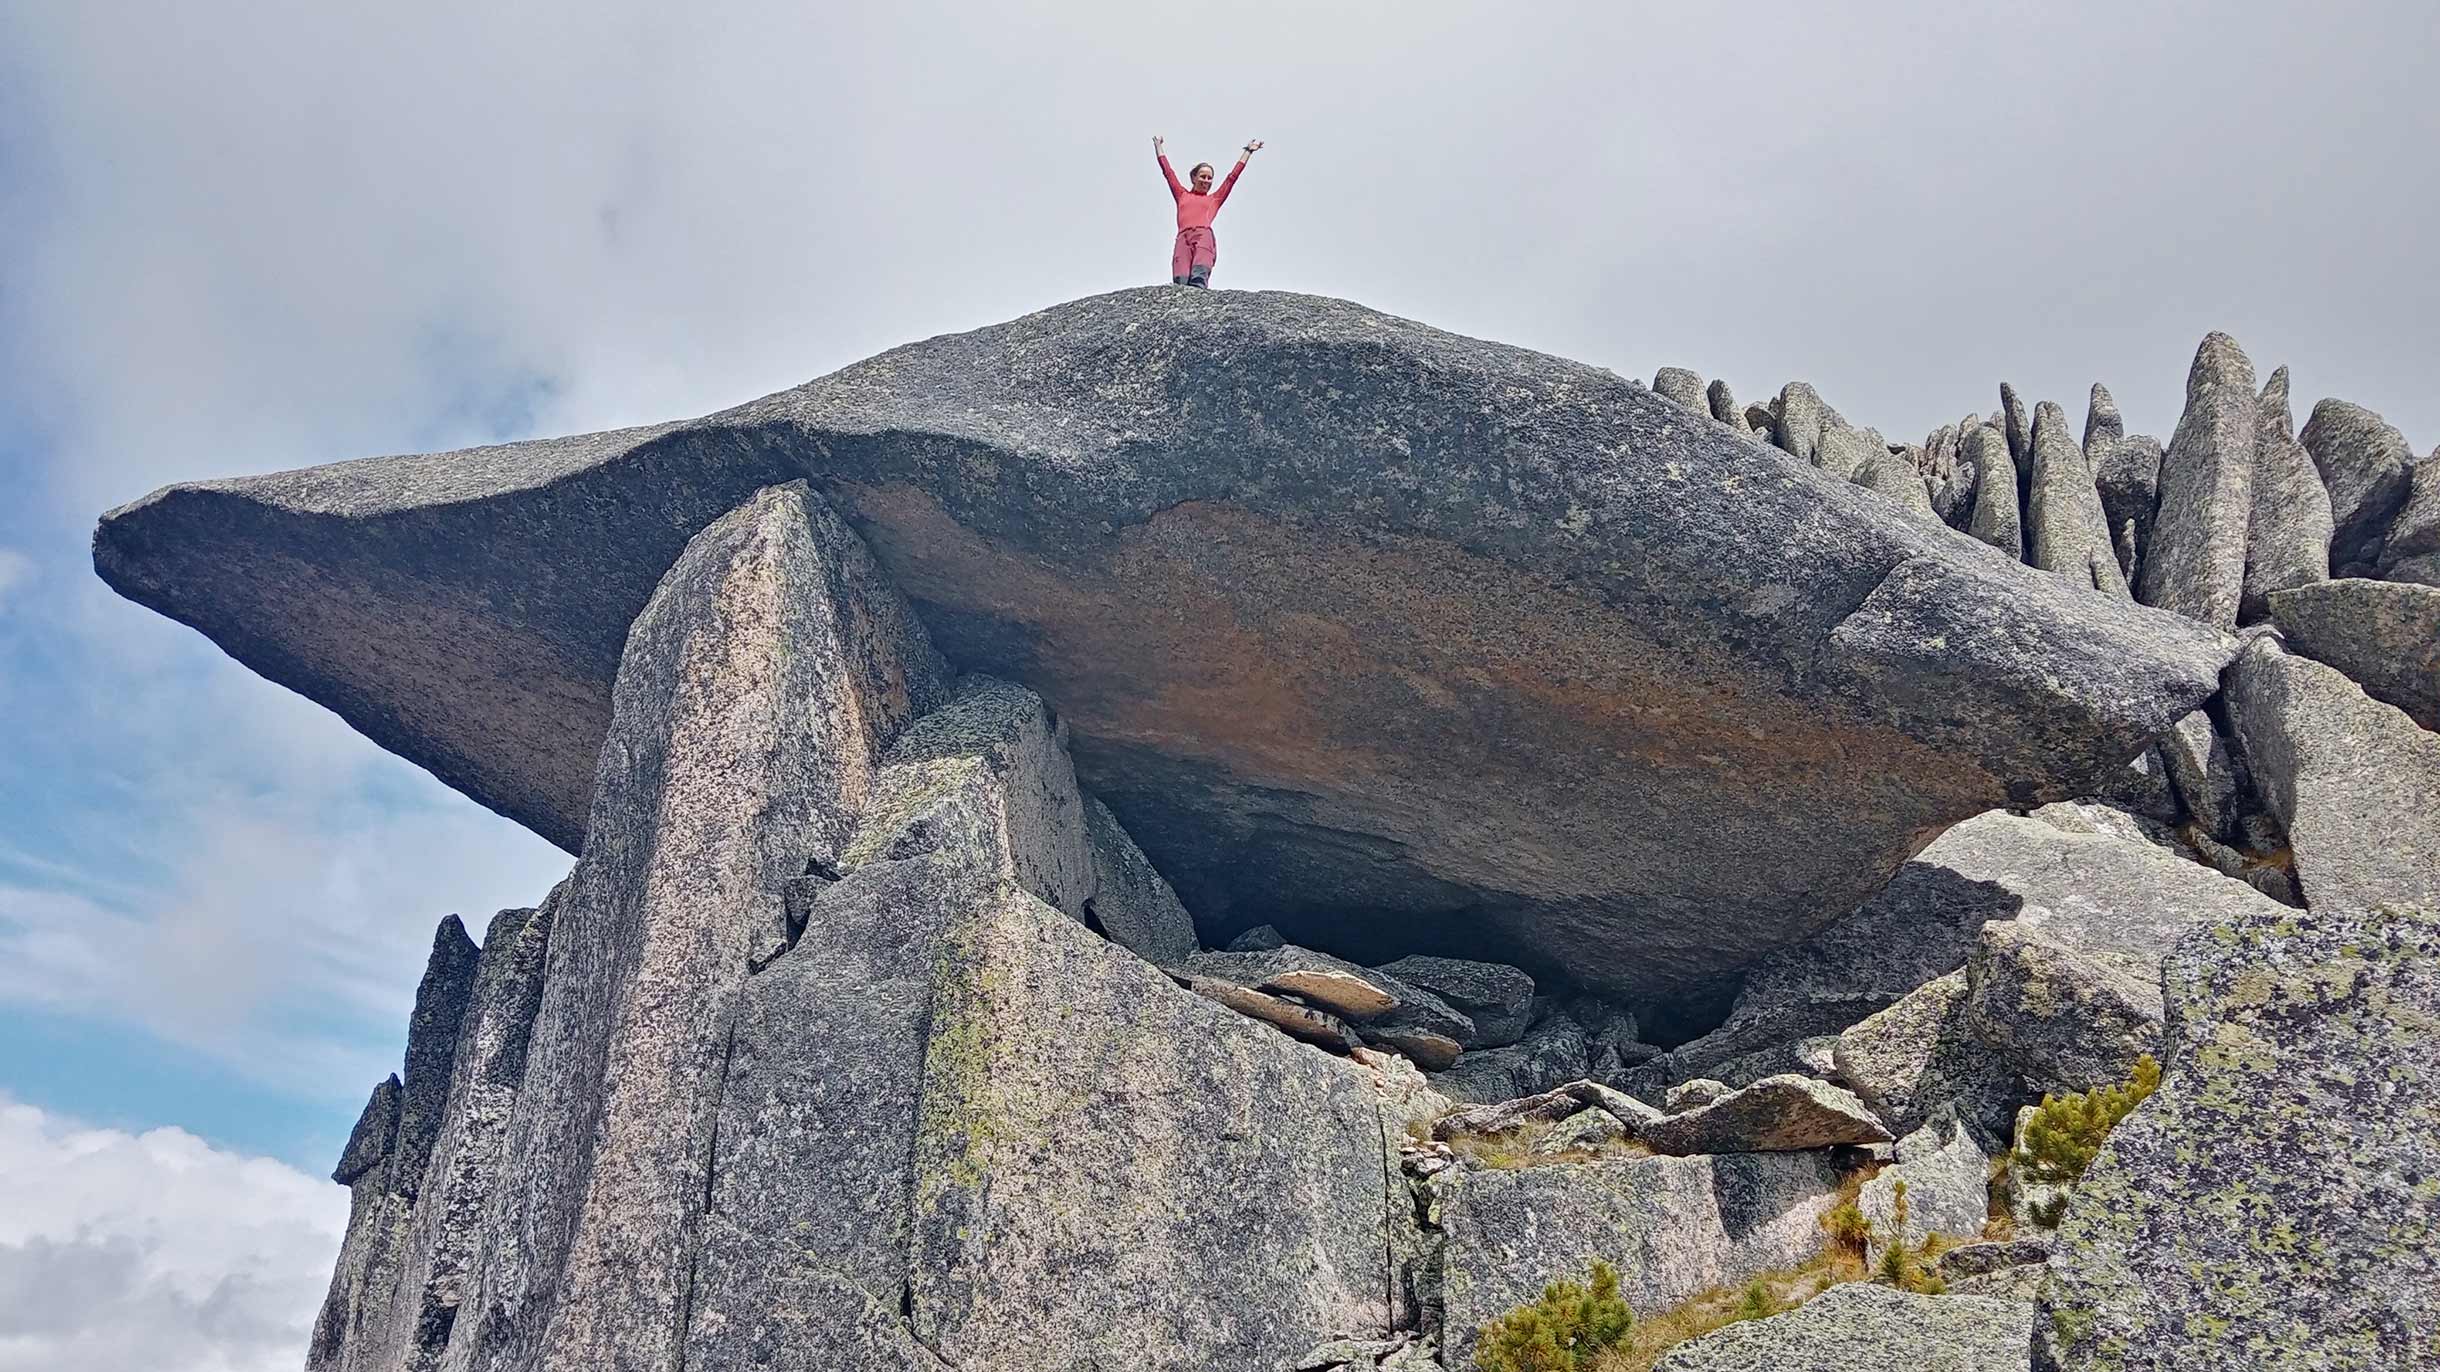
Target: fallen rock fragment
(1290,1017)
(1946,1177)
(2063,1018)
(1723,404)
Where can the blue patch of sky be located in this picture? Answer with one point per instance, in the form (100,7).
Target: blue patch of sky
(124,1078)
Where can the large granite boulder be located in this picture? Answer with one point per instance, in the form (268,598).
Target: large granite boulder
(2273,1204)
(759,688)
(2368,468)
(2063,1017)
(2355,783)
(2385,635)
(1671,1226)
(1399,640)
(1860,1327)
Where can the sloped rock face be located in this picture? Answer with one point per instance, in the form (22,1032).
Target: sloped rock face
(2273,1204)
(1366,630)
(2355,783)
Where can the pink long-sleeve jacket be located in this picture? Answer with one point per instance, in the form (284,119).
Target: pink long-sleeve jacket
(1197,211)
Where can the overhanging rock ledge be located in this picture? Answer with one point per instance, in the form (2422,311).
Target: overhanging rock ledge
(1395,639)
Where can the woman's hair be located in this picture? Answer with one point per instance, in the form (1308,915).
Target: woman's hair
(1202,167)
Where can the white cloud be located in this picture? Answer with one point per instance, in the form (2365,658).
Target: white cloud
(141,1252)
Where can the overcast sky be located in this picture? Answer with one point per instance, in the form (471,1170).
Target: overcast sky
(243,237)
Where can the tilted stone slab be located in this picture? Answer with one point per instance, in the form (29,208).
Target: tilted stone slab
(1860,1327)
(1671,1226)
(2355,782)
(2385,635)
(1345,614)
(1776,1114)
(760,686)
(1496,996)
(2273,1204)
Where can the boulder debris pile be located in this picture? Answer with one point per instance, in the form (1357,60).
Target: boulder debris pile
(1196,831)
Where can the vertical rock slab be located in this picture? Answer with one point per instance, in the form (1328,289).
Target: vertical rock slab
(2274,1204)
(803,1265)
(465,1165)
(2355,782)
(374,1213)
(2287,539)
(1671,1226)
(2127,472)
(759,686)
(2102,422)
(1112,1172)
(357,1323)
(2368,468)
(958,1127)
(1995,518)
(2196,562)
(2067,531)
(2287,542)
(2385,635)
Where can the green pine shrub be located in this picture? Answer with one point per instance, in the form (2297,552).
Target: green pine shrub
(2064,1134)
(1903,1265)
(1565,1331)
